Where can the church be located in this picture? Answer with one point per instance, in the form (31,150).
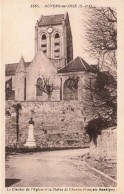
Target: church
(53,74)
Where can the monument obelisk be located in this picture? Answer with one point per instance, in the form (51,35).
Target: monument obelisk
(30,142)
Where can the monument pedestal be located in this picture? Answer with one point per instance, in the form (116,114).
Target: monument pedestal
(30,142)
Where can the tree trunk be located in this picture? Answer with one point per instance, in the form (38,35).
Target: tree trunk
(49,97)
(17,124)
(75,95)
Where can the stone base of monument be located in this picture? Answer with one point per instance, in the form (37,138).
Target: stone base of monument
(30,142)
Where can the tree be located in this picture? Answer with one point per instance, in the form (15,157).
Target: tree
(101,36)
(17,107)
(46,87)
(104,104)
(93,128)
(72,84)
(102,90)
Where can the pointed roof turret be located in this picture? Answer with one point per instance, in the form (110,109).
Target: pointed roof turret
(22,61)
(21,66)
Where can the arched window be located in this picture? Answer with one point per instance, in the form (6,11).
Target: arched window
(57,45)
(57,35)
(43,37)
(69,93)
(39,86)
(44,43)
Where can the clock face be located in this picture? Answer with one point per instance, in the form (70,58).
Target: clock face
(50,30)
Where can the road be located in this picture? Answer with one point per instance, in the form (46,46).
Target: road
(61,168)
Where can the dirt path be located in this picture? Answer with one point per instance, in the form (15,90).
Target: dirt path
(51,169)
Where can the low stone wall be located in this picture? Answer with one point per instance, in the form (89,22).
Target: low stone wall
(106,147)
(62,121)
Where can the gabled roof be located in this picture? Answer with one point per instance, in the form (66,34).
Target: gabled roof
(51,20)
(10,69)
(77,65)
(95,67)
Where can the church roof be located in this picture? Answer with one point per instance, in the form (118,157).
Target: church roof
(95,67)
(10,69)
(77,65)
(51,20)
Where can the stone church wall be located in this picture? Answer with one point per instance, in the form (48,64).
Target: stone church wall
(38,70)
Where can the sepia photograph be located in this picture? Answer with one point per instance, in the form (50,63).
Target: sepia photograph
(60,95)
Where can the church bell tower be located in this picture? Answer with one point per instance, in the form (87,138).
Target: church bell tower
(53,36)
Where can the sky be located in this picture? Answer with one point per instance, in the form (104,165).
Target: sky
(18,30)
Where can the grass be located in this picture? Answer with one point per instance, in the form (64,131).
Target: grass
(108,167)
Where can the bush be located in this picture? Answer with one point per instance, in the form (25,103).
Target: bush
(94,127)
